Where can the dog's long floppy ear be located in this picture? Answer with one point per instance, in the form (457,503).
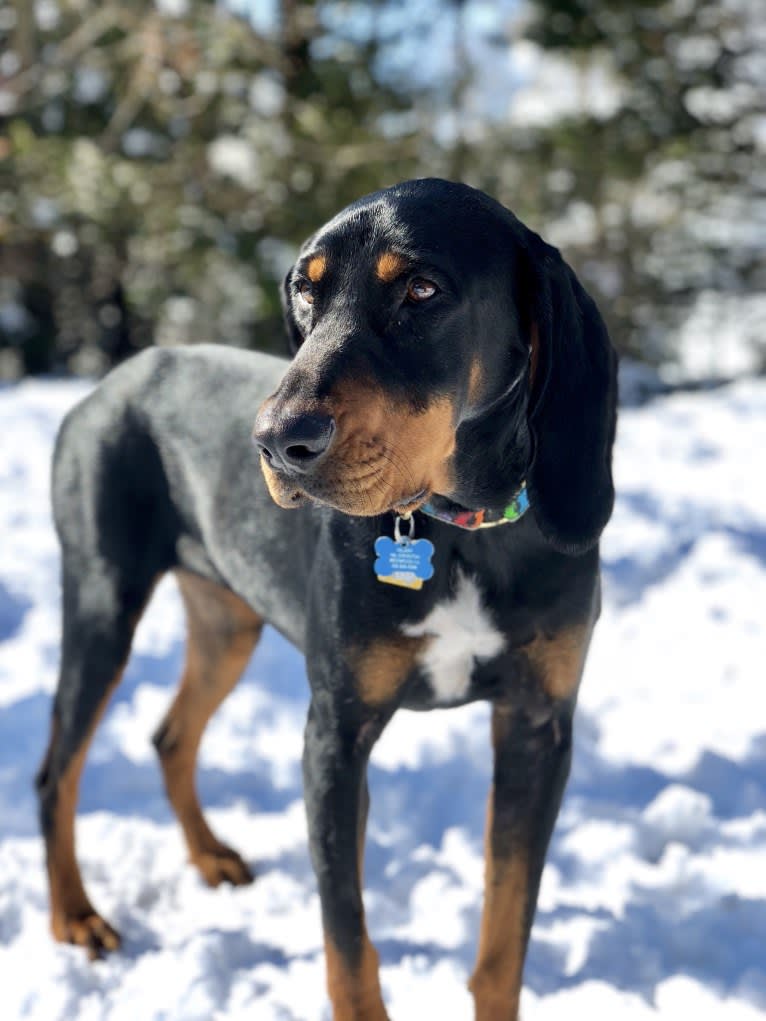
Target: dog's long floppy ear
(294,336)
(572,405)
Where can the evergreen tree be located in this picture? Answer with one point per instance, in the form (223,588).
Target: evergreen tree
(651,174)
(159,163)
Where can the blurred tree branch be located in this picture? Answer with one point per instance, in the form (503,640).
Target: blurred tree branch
(26,39)
(141,83)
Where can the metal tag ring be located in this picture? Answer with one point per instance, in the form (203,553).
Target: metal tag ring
(397,527)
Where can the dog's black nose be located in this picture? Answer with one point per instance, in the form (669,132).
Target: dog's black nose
(297,443)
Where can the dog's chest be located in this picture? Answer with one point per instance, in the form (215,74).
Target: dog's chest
(460,633)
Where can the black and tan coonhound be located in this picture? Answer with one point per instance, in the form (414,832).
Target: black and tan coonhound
(436,473)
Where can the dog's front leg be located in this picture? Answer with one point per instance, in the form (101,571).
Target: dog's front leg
(532,762)
(336,751)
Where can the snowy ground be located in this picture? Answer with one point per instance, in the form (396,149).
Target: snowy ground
(653,904)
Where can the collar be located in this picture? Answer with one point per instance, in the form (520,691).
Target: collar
(453,514)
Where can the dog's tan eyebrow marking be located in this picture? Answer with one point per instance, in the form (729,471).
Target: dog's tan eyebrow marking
(316,268)
(389,266)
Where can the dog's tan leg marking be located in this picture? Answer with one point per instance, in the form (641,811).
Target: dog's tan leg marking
(496,981)
(354,990)
(354,994)
(222,633)
(73,917)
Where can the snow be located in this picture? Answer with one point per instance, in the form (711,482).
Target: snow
(653,902)
(724,336)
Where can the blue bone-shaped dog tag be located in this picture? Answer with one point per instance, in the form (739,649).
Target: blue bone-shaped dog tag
(406,562)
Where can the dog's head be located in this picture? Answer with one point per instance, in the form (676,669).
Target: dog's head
(441,348)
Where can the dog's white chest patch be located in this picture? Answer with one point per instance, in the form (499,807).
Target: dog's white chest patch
(460,632)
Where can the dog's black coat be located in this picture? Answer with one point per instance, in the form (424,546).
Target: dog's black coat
(155,471)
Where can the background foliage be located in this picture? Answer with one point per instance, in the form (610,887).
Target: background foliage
(160,162)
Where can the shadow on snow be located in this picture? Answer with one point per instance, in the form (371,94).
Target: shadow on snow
(719,942)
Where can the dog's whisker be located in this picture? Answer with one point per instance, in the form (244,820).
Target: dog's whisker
(392,457)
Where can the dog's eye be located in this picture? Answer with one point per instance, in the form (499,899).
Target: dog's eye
(305,292)
(420,289)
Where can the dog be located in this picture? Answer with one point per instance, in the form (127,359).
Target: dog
(436,474)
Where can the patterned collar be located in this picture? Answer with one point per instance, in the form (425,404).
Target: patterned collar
(454,514)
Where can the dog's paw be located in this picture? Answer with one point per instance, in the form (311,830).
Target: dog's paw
(223,865)
(87,930)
